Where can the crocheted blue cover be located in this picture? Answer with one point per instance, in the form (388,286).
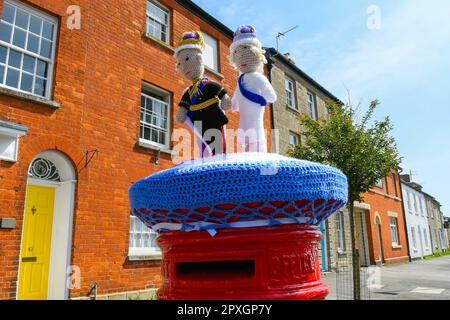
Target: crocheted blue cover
(225,191)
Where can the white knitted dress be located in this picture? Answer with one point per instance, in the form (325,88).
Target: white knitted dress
(251,135)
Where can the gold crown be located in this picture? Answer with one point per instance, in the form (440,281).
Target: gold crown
(192,38)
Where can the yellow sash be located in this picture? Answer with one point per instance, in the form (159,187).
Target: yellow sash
(203,105)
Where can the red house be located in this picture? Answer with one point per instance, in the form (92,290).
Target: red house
(380,224)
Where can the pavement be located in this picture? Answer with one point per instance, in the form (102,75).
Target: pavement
(418,280)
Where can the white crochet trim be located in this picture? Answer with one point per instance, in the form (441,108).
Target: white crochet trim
(243,224)
(188,46)
(249,41)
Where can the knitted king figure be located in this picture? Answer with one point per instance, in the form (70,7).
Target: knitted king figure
(253,91)
(203,103)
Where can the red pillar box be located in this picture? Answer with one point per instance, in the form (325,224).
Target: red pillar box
(266,263)
(240,226)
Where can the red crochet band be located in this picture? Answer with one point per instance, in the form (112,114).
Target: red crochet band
(229,213)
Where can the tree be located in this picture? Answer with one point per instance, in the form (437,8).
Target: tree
(363,150)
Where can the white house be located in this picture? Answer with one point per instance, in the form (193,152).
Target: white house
(416,219)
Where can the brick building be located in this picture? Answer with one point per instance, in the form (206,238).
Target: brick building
(299,94)
(380,224)
(84,113)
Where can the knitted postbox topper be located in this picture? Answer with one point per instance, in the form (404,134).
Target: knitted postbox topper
(238,190)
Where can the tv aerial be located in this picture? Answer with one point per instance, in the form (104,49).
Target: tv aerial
(282,34)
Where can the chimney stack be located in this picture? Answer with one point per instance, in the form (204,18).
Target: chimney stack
(405,177)
(287,55)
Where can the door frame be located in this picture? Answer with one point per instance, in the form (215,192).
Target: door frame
(361,215)
(421,241)
(324,246)
(379,240)
(63,214)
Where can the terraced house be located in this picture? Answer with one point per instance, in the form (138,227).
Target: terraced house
(85,111)
(416,218)
(380,224)
(438,236)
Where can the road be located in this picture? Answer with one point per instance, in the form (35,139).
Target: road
(418,280)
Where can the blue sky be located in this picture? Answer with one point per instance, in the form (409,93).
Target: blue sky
(405,64)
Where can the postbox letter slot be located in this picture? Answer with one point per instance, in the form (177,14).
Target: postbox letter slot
(207,270)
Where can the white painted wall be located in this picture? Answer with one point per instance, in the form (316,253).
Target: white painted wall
(417,222)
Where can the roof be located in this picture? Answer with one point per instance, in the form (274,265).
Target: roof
(412,185)
(405,179)
(202,14)
(432,198)
(274,54)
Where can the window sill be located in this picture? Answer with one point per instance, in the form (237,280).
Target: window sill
(29,98)
(214,72)
(394,246)
(292,109)
(385,195)
(163,44)
(147,145)
(145,257)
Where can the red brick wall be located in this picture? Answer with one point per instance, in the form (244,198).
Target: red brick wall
(98,75)
(383,201)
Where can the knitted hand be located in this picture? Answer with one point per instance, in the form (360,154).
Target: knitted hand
(181,115)
(225,103)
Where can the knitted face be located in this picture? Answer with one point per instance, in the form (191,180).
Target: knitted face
(248,58)
(190,63)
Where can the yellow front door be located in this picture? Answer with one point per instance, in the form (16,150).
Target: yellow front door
(36,242)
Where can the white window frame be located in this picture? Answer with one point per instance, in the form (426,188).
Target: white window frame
(146,91)
(9,143)
(340,236)
(380,184)
(296,137)
(414,239)
(411,202)
(133,251)
(289,87)
(438,239)
(51,61)
(425,238)
(312,105)
(393,223)
(212,47)
(152,17)
(421,205)
(416,206)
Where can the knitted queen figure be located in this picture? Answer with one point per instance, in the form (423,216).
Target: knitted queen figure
(203,103)
(253,92)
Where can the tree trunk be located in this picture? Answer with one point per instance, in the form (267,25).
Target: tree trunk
(355,255)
